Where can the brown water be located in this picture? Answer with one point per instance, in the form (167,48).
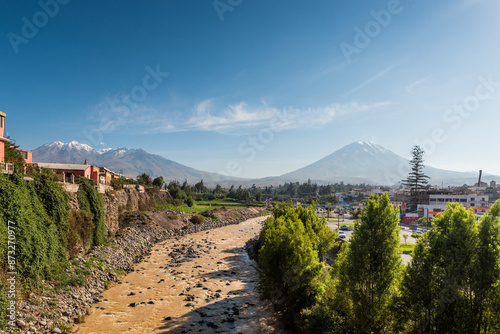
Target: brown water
(202,282)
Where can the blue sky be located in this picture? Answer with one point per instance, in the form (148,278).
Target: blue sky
(256,88)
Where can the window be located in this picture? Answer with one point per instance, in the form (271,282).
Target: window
(23,154)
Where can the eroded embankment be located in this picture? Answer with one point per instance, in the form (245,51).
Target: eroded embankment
(59,307)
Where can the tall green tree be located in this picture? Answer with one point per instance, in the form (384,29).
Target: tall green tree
(369,267)
(486,274)
(200,188)
(438,286)
(292,242)
(158,182)
(417,181)
(144,179)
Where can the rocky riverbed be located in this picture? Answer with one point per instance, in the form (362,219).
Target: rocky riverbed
(201,282)
(61,306)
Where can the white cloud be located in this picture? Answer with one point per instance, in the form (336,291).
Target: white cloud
(111,115)
(236,115)
(241,115)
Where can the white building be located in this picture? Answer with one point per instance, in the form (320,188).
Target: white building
(437,203)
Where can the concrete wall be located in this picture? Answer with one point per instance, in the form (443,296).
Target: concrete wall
(70,188)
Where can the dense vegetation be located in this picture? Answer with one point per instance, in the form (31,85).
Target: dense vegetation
(310,189)
(185,194)
(292,243)
(46,231)
(12,156)
(40,235)
(92,202)
(452,284)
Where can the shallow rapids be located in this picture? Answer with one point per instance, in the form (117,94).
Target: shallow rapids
(201,282)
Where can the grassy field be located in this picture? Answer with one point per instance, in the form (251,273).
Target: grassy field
(202,206)
(406,247)
(334,221)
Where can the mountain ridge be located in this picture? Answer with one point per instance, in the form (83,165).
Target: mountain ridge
(358,162)
(130,162)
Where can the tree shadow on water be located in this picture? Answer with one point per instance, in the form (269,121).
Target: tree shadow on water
(232,311)
(230,315)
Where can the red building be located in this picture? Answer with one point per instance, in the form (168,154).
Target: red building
(2,138)
(69,172)
(4,166)
(27,155)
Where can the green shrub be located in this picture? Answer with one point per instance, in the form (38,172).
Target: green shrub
(92,202)
(197,219)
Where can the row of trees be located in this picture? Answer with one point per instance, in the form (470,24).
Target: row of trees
(305,190)
(309,188)
(452,285)
(186,194)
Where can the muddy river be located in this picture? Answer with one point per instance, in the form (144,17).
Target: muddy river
(202,282)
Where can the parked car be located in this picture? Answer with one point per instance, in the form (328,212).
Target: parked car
(342,235)
(344,228)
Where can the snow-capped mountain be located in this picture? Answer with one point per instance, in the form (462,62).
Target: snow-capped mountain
(359,162)
(367,162)
(130,162)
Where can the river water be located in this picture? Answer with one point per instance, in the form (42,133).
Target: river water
(199,283)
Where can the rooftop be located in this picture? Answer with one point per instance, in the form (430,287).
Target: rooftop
(62,166)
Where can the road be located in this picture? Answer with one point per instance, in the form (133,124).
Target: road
(334,224)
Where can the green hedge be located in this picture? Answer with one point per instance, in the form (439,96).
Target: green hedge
(92,202)
(39,246)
